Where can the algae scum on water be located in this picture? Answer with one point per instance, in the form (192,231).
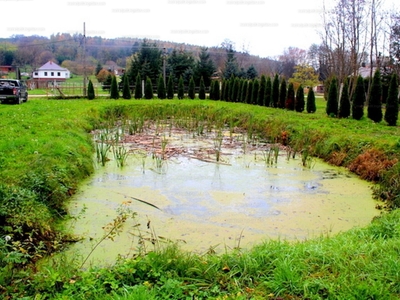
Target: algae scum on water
(215,191)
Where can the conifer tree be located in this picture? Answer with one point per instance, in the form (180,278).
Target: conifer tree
(227,93)
(261,91)
(290,98)
(90,92)
(311,107)
(256,87)
(223,89)
(107,83)
(249,91)
(332,102)
(241,81)
(244,91)
(191,89)
(344,104)
(202,89)
(181,88)
(126,91)
(392,102)
(170,88)
(235,90)
(275,91)
(375,99)
(114,94)
(148,89)
(357,108)
(268,91)
(161,93)
(282,94)
(299,102)
(138,87)
(217,94)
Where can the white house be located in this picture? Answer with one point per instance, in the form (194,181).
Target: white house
(50,72)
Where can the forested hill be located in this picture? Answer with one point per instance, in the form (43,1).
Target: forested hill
(31,52)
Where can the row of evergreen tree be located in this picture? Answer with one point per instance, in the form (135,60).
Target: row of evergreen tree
(275,92)
(340,105)
(266,91)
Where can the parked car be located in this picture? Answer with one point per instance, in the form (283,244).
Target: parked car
(13,91)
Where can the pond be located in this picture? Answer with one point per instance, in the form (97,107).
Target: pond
(213,193)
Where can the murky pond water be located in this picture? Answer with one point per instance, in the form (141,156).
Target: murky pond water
(206,205)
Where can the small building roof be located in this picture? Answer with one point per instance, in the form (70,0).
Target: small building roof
(51,66)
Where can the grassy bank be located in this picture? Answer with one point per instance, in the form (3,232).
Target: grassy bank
(46,150)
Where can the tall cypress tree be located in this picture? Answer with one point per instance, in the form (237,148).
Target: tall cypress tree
(249,91)
(282,94)
(290,98)
(268,92)
(344,104)
(256,87)
(223,89)
(392,102)
(114,94)
(148,89)
(181,88)
(138,87)
(375,99)
(235,90)
(311,107)
(275,91)
(126,91)
(244,91)
(261,91)
(191,89)
(299,102)
(357,108)
(90,92)
(332,102)
(217,93)
(161,93)
(170,88)
(202,89)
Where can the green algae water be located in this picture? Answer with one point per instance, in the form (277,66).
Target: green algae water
(208,205)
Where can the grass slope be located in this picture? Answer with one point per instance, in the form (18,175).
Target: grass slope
(46,150)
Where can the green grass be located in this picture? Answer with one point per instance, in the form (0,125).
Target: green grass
(46,150)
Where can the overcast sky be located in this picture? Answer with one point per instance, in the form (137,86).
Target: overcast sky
(261,27)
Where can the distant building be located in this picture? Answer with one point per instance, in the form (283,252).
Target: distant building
(49,74)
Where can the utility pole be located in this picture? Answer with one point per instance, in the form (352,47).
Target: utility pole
(84,60)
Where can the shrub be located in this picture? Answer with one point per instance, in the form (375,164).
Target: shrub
(282,94)
(332,103)
(202,89)
(299,103)
(375,99)
(357,108)
(170,88)
(90,94)
(289,104)
(311,107)
(344,106)
(126,91)
(161,94)
(181,88)
(191,89)
(114,94)
(148,89)
(392,102)
(138,87)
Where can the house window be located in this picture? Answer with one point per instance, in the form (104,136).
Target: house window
(36,74)
(58,74)
(52,73)
(45,73)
